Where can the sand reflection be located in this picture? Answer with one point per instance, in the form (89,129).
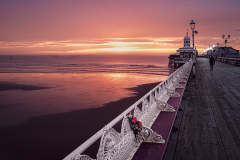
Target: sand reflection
(50,93)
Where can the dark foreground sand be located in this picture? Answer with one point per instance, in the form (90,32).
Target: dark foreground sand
(4,86)
(55,136)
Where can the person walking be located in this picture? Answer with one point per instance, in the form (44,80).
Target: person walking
(211,61)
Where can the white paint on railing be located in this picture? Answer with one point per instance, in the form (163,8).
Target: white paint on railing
(163,92)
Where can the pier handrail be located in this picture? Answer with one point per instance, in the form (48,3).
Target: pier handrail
(186,68)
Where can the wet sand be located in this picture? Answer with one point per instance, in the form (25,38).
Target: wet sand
(55,136)
(4,86)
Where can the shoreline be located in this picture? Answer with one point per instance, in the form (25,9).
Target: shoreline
(57,135)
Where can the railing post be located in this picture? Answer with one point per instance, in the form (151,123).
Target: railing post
(150,98)
(193,70)
(156,93)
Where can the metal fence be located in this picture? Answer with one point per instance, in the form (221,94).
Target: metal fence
(114,145)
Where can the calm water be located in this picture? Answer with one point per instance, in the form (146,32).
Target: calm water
(31,86)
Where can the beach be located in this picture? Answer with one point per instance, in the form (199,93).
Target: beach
(50,105)
(57,135)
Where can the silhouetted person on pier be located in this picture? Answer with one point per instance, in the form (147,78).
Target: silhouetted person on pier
(211,61)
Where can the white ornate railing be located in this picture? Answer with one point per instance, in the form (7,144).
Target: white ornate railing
(114,145)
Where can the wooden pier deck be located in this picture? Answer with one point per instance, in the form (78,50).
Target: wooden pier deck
(207,125)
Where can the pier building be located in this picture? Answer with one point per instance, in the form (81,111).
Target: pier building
(183,54)
(223,52)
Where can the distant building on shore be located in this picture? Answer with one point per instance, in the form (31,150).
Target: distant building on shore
(222,52)
(183,54)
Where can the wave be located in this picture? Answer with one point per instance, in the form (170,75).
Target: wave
(83,64)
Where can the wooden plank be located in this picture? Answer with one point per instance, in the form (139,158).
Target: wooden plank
(210,120)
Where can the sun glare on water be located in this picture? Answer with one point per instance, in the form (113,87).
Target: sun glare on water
(117,75)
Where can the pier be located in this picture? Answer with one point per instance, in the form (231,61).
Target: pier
(156,111)
(207,125)
(184,118)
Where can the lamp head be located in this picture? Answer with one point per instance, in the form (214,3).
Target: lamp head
(229,36)
(223,36)
(192,24)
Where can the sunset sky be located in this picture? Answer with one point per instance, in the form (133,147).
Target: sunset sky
(114,26)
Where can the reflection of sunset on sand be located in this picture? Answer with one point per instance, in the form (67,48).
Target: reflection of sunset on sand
(48,84)
(44,99)
(65,92)
(118,75)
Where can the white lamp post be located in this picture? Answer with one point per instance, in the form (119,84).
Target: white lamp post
(192,25)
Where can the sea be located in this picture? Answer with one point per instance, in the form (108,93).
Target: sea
(41,85)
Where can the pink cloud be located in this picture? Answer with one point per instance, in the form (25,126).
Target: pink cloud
(90,24)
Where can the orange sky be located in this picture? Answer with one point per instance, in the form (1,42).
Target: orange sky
(114,27)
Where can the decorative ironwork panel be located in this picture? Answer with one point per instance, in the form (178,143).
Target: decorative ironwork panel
(164,106)
(81,157)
